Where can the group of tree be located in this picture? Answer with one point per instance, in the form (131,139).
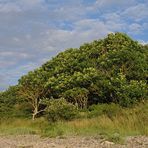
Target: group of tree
(110,70)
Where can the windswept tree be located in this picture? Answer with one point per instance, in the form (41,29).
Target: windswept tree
(32,88)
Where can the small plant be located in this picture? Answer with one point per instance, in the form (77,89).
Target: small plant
(60,109)
(115,137)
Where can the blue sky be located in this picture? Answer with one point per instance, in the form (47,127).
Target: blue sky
(33,31)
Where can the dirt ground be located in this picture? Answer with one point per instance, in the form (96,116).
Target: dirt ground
(35,141)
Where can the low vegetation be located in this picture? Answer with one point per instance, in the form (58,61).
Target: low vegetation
(114,126)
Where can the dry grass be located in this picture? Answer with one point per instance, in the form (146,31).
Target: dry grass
(128,122)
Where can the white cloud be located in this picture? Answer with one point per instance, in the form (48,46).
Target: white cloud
(10,7)
(19,5)
(112,17)
(85,30)
(7,63)
(115,3)
(135,28)
(12,58)
(137,12)
(12,53)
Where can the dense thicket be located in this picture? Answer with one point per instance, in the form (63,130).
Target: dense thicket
(110,70)
(113,69)
(12,105)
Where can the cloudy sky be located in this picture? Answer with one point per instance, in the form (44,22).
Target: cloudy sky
(33,31)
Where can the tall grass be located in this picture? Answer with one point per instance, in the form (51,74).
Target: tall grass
(127,122)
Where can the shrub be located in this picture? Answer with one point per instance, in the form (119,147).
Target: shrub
(60,109)
(134,92)
(109,109)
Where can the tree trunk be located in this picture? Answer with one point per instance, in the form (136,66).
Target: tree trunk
(35,112)
(33,116)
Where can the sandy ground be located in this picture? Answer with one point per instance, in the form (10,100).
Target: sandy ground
(34,141)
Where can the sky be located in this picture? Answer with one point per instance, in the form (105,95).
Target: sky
(33,31)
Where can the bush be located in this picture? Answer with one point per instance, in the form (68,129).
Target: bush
(134,92)
(108,109)
(60,109)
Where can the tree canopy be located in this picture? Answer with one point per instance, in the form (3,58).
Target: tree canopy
(101,68)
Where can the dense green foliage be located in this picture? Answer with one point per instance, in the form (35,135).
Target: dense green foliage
(12,105)
(60,109)
(111,70)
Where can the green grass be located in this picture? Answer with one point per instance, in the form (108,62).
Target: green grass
(127,122)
